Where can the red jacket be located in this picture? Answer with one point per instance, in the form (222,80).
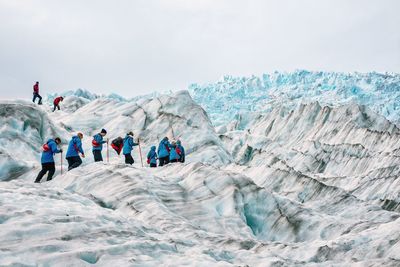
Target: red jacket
(57,100)
(36,88)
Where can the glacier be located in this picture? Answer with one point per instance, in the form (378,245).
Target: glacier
(237,96)
(309,178)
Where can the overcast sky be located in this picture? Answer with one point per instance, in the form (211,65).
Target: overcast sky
(134,47)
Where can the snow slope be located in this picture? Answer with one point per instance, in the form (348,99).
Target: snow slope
(231,96)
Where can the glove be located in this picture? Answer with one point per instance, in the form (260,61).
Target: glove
(61,150)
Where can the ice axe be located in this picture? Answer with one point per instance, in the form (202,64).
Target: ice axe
(61,163)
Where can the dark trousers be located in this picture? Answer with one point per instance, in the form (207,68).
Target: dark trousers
(74,162)
(46,167)
(153,165)
(129,159)
(56,106)
(36,95)
(164,160)
(97,155)
(174,160)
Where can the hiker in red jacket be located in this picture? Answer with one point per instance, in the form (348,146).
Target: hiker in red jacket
(56,102)
(36,93)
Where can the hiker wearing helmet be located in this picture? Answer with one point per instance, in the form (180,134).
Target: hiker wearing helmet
(181,151)
(56,102)
(74,148)
(163,151)
(128,147)
(47,160)
(152,157)
(36,93)
(173,155)
(97,144)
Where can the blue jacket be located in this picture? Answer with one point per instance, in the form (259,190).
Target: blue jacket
(128,145)
(47,157)
(162,148)
(74,147)
(172,153)
(178,144)
(152,155)
(99,139)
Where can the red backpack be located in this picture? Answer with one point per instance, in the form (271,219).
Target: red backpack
(46,148)
(94,143)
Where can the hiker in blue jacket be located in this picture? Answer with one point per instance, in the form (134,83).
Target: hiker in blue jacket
(74,148)
(181,151)
(128,147)
(47,160)
(152,157)
(173,155)
(163,151)
(97,144)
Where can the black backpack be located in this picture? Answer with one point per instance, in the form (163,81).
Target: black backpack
(117,144)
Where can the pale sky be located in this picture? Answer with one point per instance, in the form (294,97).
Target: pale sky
(133,47)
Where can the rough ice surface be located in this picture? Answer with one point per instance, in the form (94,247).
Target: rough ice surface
(234,96)
(304,183)
(85,94)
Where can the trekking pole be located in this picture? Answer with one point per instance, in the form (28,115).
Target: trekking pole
(61,163)
(108,154)
(140,153)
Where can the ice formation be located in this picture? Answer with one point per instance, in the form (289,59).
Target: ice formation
(311,181)
(232,96)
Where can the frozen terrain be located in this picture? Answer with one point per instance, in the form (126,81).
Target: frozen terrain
(294,183)
(233,96)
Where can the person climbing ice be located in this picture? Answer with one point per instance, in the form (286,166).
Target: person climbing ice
(56,102)
(181,151)
(47,159)
(152,157)
(74,148)
(163,151)
(97,144)
(173,154)
(128,147)
(36,93)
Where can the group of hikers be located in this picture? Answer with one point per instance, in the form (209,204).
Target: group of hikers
(56,101)
(167,152)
